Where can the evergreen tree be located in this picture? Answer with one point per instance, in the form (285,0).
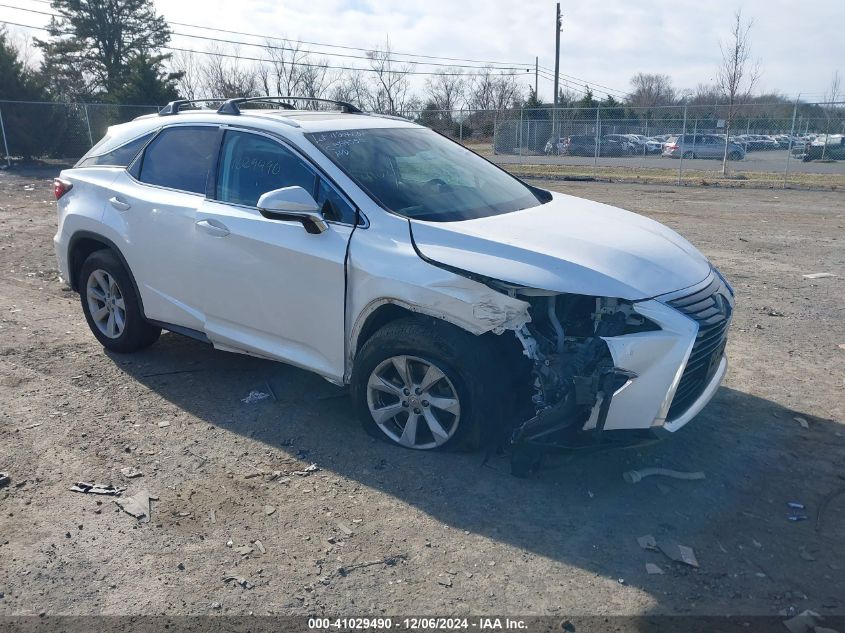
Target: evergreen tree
(106,49)
(16,82)
(29,127)
(147,84)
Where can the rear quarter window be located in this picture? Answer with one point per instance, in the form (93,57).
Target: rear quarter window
(120,156)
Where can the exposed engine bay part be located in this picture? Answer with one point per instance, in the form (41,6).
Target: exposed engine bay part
(573,375)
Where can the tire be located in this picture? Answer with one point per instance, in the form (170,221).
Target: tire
(688,155)
(734,156)
(104,270)
(468,365)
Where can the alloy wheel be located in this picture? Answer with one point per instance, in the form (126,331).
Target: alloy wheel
(106,303)
(413,402)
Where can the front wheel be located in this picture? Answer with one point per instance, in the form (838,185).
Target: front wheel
(425,384)
(734,156)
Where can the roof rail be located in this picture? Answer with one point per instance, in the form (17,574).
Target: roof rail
(174,107)
(231,105)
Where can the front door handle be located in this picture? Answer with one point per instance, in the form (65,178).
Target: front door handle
(213,227)
(120,205)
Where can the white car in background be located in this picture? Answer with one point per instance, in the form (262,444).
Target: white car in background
(461,304)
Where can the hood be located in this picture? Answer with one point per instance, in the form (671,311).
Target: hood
(568,245)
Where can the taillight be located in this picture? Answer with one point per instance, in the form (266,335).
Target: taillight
(61,187)
(671,146)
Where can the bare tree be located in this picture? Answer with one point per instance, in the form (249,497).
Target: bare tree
(190,82)
(23,45)
(282,74)
(446,92)
(391,90)
(491,91)
(352,88)
(224,76)
(831,98)
(737,75)
(649,90)
(315,79)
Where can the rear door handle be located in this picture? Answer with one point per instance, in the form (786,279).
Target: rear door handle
(213,227)
(120,205)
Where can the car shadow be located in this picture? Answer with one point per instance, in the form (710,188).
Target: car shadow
(577,509)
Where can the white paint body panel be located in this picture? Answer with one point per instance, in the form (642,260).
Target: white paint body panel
(569,245)
(271,289)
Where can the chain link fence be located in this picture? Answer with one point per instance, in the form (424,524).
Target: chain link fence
(778,144)
(50,130)
(800,145)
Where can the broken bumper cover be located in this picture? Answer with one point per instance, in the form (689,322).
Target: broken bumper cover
(690,344)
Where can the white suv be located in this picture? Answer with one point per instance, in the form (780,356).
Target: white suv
(461,304)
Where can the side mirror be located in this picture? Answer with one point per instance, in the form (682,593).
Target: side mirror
(293,203)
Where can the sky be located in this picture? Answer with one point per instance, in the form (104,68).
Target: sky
(799,45)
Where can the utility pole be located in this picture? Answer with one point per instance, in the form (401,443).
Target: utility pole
(558,25)
(536,73)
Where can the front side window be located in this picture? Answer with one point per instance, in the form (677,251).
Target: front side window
(118,157)
(419,174)
(251,165)
(180,158)
(334,207)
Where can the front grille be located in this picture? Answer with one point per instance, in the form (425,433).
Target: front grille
(711,309)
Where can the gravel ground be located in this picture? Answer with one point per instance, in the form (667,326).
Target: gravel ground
(372,529)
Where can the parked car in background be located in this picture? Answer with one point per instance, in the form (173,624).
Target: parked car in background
(555,146)
(759,142)
(701,146)
(579,145)
(645,145)
(616,145)
(829,147)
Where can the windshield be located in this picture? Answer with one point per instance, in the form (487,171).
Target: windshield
(419,174)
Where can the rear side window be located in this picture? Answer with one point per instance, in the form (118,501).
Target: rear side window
(120,156)
(180,158)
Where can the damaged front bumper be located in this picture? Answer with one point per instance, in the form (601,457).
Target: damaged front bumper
(633,394)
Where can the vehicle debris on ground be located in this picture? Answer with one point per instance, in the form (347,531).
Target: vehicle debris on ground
(634,476)
(255,396)
(138,505)
(97,489)
(313,468)
(678,553)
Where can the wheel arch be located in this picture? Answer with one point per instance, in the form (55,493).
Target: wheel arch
(383,311)
(80,247)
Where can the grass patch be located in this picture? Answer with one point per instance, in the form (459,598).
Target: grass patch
(691,177)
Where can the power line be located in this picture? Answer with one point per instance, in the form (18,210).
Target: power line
(571,85)
(289,48)
(518,66)
(310,43)
(354,68)
(343,55)
(591,83)
(270,61)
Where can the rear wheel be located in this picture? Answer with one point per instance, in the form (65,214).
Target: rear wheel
(110,305)
(426,385)
(689,155)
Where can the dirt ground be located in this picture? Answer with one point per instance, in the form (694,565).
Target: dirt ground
(453,536)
